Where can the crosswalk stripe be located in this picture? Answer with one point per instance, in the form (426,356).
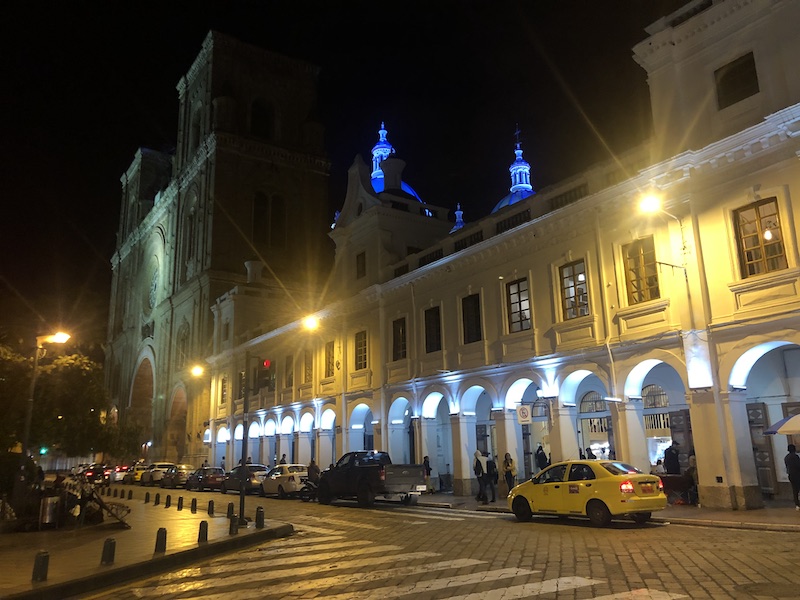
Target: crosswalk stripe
(268,573)
(430,585)
(419,514)
(548,586)
(298,549)
(343,522)
(323,583)
(641,594)
(316,530)
(423,512)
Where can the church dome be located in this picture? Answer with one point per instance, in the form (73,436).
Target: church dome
(380,152)
(521,187)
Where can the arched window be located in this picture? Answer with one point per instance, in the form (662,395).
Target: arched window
(262,119)
(269,221)
(593,402)
(195,129)
(182,353)
(654,396)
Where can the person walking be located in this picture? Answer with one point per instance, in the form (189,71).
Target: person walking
(792,462)
(222,463)
(491,476)
(541,458)
(426,465)
(671,462)
(509,471)
(479,468)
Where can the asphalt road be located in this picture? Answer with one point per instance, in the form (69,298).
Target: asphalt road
(345,552)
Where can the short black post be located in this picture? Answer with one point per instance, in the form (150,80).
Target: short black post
(260,517)
(230,510)
(40,564)
(161,540)
(157,499)
(146,497)
(130,494)
(168,501)
(180,502)
(234,525)
(109,549)
(194,505)
(115,492)
(202,535)
(210,508)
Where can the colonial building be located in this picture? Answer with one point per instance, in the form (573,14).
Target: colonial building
(248,162)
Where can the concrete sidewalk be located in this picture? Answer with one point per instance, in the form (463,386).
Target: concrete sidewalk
(74,555)
(775,516)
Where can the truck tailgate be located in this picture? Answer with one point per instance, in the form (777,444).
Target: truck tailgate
(404,478)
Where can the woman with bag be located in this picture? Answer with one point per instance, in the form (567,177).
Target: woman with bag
(509,471)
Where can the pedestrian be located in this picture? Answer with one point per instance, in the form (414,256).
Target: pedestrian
(659,468)
(39,477)
(222,463)
(509,471)
(283,459)
(671,462)
(589,454)
(249,460)
(479,468)
(541,458)
(691,481)
(313,472)
(426,465)
(492,476)
(792,462)
(205,463)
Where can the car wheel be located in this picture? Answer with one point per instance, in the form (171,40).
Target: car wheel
(641,518)
(598,514)
(366,497)
(522,510)
(324,494)
(222,489)
(282,493)
(142,482)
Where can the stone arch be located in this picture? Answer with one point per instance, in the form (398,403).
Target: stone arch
(176,440)
(430,401)
(401,433)
(360,424)
(327,435)
(140,403)
(473,390)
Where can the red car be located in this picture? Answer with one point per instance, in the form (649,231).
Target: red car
(205,478)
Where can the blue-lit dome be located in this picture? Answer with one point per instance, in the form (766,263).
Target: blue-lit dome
(521,187)
(381,152)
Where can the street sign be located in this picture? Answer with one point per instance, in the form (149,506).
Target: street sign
(523,414)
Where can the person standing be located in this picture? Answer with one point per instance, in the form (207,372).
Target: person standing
(792,462)
(313,472)
(479,468)
(541,458)
(283,460)
(671,462)
(590,455)
(426,465)
(222,463)
(491,476)
(509,471)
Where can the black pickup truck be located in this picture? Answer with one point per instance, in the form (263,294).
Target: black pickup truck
(365,475)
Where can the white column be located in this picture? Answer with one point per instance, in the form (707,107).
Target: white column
(564,433)
(630,440)
(506,430)
(464,482)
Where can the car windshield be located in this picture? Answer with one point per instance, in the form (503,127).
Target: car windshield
(619,468)
(296,469)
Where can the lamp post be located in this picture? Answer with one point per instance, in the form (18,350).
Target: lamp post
(21,482)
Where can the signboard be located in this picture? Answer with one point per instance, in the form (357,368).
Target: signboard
(523,414)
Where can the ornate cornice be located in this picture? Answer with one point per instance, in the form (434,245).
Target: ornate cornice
(235,144)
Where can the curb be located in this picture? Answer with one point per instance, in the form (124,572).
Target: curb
(118,575)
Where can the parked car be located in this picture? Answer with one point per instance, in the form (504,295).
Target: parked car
(253,475)
(598,489)
(176,476)
(97,475)
(154,473)
(134,474)
(78,469)
(284,480)
(118,473)
(205,478)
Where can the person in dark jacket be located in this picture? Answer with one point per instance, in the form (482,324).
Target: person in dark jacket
(671,462)
(479,467)
(792,462)
(541,458)
(492,476)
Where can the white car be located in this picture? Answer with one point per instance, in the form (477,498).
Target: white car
(284,480)
(155,473)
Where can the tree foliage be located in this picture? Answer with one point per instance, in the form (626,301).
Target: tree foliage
(15,374)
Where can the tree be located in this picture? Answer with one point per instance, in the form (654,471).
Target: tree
(15,374)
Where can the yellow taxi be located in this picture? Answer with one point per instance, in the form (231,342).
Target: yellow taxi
(598,489)
(134,474)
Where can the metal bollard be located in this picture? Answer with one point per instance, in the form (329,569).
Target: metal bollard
(234,526)
(260,517)
(161,540)
(202,535)
(109,549)
(146,497)
(230,510)
(157,499)
(168,501)
(115,492)
(180,502)
(130,494)
(40,564)
(194,505)
(210,508)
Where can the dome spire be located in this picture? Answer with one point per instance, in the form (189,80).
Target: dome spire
(380,152)
(520,169)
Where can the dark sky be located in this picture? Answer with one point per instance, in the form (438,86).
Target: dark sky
(87,83)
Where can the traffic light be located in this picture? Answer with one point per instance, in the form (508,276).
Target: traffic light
(266,376)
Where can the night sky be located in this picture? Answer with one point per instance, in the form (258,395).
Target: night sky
(87,83)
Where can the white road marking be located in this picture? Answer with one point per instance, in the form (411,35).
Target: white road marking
(641,594)
(296,549)
(253,575)
(526,590)
(318,530)
(344,523)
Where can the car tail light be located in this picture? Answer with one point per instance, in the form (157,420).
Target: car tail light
(660,485)
(626,487)
(108,472)
(89,473)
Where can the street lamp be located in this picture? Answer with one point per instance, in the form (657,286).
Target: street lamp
(310,323)
(20,483)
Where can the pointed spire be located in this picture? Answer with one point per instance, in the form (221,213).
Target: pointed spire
(459,219)
(520,169)
(380,152)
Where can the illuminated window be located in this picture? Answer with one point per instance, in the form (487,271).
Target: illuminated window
(361,350)
(471,318)
(308,366)
(758,228)
(736,81)
(654,396)
(574,298)
(288,372)
(433,330)
(329,359)
(361,265)
(399,339)
(519,306)
(641,271)
(223,392)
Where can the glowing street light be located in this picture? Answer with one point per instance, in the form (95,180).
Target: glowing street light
(310,323)
(197,371)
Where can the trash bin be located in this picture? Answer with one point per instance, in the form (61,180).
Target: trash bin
(48,511)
